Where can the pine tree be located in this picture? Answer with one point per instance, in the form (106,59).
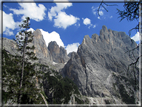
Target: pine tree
(24,78)
(19,71)
(10,72)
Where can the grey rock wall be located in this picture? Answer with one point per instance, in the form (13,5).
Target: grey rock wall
(98,58)
(41,49)
(59,54)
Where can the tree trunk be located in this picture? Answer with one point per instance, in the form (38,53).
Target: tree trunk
(22,73)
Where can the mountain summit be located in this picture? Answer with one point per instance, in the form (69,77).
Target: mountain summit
(99,63)
(99,67)
(59,54)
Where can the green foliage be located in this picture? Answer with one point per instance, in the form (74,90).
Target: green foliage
(10,72)
(14,77)
(124,95)
(78,101)
(11,68)
(23,78)
(62,88)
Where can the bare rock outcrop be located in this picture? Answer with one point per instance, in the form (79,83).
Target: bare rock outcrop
(99,68)
(41,49)
(59,54)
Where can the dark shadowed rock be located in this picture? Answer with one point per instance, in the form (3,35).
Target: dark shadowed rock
(58,54)
(69,55)
(96,62)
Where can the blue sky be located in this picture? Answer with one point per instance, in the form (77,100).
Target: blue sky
(66,23)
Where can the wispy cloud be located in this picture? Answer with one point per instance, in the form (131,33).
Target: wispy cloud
(95,11)
(94,26)
(111,17)
(101,13)
(61,19)
(8,32)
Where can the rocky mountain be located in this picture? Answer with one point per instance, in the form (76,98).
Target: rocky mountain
(41,49)
(99,68)
(9,45)
(53,55)
(59,54)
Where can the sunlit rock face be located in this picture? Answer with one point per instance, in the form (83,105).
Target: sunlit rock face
(41,49)
(99,68)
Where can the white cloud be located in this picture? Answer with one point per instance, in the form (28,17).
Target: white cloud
(56,9)
(63,20)
(35,12)
(101,13)
(94,26)
(8,23)
(72,47)
(98,17)
(136,37)
(94,10)
(79,24)
(31,29)
(8,32)
(86,21)
(53,36)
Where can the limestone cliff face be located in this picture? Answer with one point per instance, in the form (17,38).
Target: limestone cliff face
(9,45)
(41,49)
(45,55)
(99,64)
(59,54)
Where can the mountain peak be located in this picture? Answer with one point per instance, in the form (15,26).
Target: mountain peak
(37,33)
(59,54)
(97,58)
(104,28)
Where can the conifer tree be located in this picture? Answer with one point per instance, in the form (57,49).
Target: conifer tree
(22,75)
(19,73)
